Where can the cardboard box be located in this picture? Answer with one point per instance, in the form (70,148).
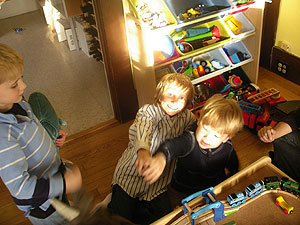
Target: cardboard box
(60,31)
(82,39)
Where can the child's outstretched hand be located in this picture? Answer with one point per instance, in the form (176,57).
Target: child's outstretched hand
(61,139)
(143,160)
(156,168)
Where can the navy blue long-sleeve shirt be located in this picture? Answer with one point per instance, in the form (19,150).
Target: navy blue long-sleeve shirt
(293,119)
(198,168)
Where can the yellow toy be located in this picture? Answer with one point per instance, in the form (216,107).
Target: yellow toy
(287,209)
(233,24)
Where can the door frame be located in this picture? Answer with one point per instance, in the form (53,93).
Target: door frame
(270,22)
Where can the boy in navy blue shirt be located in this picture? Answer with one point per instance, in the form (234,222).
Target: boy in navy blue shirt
(203,153)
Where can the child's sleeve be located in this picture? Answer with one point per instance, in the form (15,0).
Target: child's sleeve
(232,163)
(143,125)
(178,147)
(193,126)
(26,189)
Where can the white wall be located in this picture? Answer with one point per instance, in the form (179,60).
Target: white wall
(17,7)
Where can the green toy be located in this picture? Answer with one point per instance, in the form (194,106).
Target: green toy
(214,33)
(46,114)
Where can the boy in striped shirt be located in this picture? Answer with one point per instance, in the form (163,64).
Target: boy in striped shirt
(30,165)
(133,197)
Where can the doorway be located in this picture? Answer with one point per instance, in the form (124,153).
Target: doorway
(75,84)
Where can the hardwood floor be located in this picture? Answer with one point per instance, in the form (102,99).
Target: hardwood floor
(98,149)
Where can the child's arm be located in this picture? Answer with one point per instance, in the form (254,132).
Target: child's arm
(171,149)
(73,180)
(178,147)
(268,134)
(24,186)
(142,131)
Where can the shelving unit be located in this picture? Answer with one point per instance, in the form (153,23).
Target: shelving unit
(128,57)
(88,32)
(139,37)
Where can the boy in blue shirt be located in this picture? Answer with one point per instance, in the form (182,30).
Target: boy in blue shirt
(30,165)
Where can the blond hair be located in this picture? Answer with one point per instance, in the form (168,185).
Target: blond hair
(222,115)
(181,80)
(11,63)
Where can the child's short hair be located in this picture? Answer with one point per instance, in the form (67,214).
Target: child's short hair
(182,80)
(221,114)
(11,63)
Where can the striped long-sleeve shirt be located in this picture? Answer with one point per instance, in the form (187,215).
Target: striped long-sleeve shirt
(29,161)
(150,128)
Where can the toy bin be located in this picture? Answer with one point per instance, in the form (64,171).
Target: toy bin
(208,32)
(238,72)
(238,25)
(154,13)
(185,11)
(159,73)
(219,62)
(240,3)
(237,53)
(206,89)
(209,64)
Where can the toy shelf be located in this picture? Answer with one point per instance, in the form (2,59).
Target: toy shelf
(207,49)
(173,25)
(142,60)
(209,76)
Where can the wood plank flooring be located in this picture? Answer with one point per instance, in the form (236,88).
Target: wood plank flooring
(98,149)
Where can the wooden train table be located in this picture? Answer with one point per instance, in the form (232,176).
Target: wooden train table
(260,210)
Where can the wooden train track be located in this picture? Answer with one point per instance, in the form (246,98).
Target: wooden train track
(207,218)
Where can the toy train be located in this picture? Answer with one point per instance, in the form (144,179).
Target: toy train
(252,190)
(287,185)
(269,183)
(284,184)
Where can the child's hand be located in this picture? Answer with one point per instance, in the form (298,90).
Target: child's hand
(73,179)
(143,160)
(266,134)
(156,168)
(61,139)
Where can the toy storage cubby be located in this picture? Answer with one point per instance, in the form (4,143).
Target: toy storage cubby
(206,8)
(245,42)
(187,66)
(232,51)
(239,25)
(216,28)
